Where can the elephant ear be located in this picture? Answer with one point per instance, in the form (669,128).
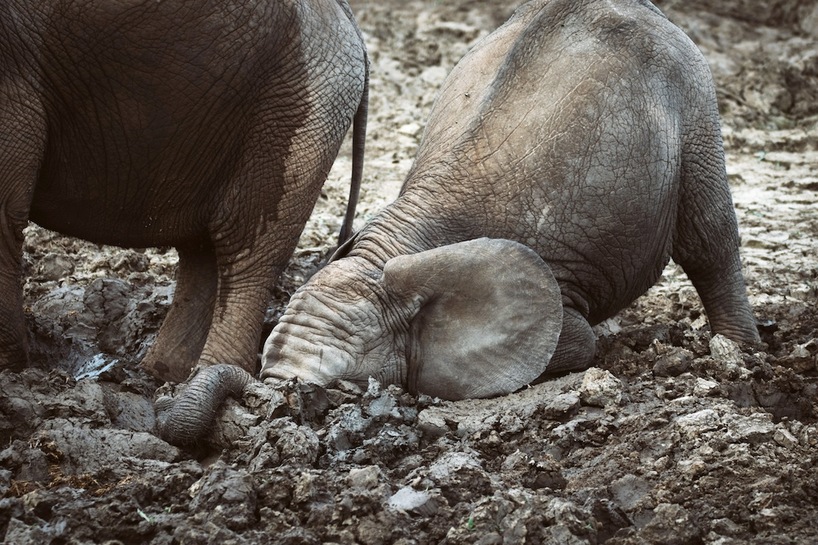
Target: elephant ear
(489,319)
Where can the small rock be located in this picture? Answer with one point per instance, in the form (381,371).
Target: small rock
(785,438)
(434,75)
(693,467)
(5,481)
(364,477)
(460,476)
(373,388)
(671,525)
(264,395)
(381,405)
(20,532)
(306,488)
(410,129)
(232,424)
(491,538)
(805,350)
(296,444)
(408,499)
(673,363)
(808,436)
(726,527)
(803,358)
(54,267)
(516,459)
(750,429)
(562,511)
(629,490)
(431,423)
(600,388)
(724,349)
(107,300)
(226,496)
(609,327)
(561,405)
(695,423)
(545,475)
(476,424)
(704,387)
(86,399)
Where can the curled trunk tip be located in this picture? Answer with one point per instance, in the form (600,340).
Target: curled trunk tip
(185,419)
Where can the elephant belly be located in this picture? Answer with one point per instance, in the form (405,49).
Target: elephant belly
(131,222)
(606,274)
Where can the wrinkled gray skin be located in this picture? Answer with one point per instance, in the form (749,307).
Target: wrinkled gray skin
(568,157)
(208,125)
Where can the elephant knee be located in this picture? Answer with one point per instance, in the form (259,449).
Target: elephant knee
(576,347)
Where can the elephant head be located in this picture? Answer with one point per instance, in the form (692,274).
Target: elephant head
(473,319)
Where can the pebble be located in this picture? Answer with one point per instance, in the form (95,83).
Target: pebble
(673,363)
(431,423)
(671,525)
(755,428)
(695,423)
(364,477)
(409,499)
(629,491)
(725,349)
(785,438)
(54,267)
(704,387)
(600,388)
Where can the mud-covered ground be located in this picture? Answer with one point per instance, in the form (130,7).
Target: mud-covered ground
(673,436)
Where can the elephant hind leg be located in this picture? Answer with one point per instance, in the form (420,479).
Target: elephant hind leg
(13,345)
(184,331)
(706,241)
(718,279)
(22,141)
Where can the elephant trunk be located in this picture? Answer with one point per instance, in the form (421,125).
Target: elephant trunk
(183,420)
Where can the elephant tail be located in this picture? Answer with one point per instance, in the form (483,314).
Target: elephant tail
(184,419)
(358,146)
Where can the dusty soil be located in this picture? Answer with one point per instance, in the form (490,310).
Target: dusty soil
(673,436)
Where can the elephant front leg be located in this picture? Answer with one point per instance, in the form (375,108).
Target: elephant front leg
(245,286)
(576,346)
(184,331)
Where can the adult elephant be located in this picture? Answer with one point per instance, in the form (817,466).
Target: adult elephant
(207,125)
(569,155)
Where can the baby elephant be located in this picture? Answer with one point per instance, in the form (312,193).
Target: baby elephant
(568,157)
(205,125)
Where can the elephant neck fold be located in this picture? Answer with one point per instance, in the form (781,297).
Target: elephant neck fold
(407,226)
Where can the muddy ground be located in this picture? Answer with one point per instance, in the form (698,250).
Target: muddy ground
(673,436)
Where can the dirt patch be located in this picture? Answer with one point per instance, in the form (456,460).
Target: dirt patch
(673,436)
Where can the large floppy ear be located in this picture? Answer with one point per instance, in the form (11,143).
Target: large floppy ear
(489,320)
